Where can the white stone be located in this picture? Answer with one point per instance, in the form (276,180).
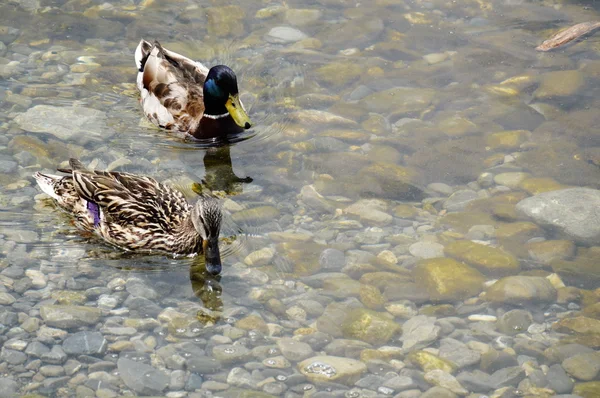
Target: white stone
(284,35)
(572,211)
(426,249)
(260,257)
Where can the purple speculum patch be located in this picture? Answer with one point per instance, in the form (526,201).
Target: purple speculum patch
(95,212)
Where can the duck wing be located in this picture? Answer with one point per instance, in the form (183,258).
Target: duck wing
(171,86)
(193,68)
(131,200)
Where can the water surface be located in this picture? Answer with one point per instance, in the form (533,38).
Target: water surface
(368,117)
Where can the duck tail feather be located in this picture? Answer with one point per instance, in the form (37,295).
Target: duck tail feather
(141,54)
(46,182)
(76,164)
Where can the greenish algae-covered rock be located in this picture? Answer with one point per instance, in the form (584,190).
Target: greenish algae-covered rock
(428,362)
(446,279)
(303,255)
(585,366)
(579,325)
(583,269)
(68,316)
(373,327)
(489,260)
(438,310)
(555,160)
(562,83)
(384,154)
(547,251)
(376,124)
(536,186)
(339,73)
(592,310)
(405,211)
(371,297)
(252,322)
(521,290)
(141,323)
(590,389)
(389,181)
(327,368)
(382,279)
(507,140)
(445,380)
(456,126)
(505,212)
(69,297)
(332,318)
(463,221)
(342,287)
(517,230)
(488,204)
(513,236)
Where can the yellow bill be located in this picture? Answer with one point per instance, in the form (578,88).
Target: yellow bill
(237,111)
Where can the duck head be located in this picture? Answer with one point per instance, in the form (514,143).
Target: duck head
(207,217)
(221,96)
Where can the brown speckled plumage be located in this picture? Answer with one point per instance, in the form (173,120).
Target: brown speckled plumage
(135,212)
(173,97)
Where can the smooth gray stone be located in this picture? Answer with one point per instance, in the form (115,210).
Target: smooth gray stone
(510,376)
(572,211)
(203,365)
(8,387)
(370,382)
(36,349)
(56,355)
(558,380)
(142,378)
(475,381)
(86,343)
(332,259)
(13,357)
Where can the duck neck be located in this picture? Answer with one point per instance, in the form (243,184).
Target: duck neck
(213,107)
(212,128)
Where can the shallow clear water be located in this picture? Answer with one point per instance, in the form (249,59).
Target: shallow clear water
(401,102)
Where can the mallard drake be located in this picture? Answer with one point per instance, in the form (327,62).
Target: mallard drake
(180,94)
(137,213)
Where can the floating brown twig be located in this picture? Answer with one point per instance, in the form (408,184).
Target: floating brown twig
(568,35)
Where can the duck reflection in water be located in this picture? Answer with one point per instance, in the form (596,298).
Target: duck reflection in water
(220,176)
(208,289)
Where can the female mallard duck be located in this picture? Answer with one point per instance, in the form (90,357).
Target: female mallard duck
(180,94)
(137,213)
